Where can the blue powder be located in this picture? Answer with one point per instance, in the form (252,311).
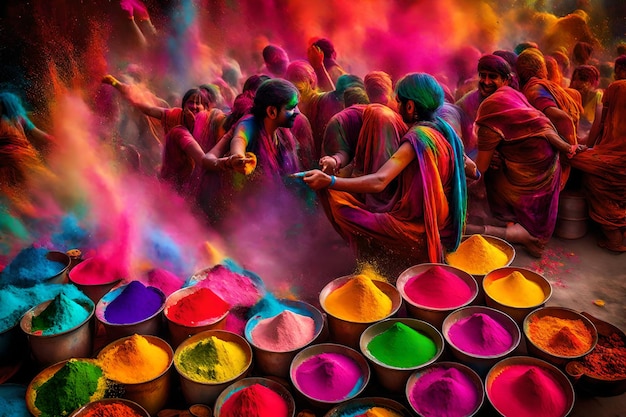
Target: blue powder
(164,252)
(71,235)
(135,303)
(13,401)
(61,315)
(268,306)
(16,301)
(30,267)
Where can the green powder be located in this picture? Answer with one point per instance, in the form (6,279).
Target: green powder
(71,387)
(402,347)
(61,315)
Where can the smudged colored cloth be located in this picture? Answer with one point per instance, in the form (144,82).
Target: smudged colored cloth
(526,187)
(425,207)
(604,165)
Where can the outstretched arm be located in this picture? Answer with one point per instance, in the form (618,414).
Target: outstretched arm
(126,91)
(316,59)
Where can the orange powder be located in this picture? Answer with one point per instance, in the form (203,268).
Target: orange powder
(562,337)
(359,300)
(515,290)
(250,165)
(477,256)
(133,361)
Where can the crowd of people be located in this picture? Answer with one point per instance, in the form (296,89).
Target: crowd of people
(402,168)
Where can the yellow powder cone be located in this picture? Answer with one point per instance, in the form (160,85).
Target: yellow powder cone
(359,300)
(515,290)
(477,256)
(133,361)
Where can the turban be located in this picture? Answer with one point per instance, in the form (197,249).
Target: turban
(495,64)
(531,63)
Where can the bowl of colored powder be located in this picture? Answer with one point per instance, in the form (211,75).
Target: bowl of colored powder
(445,389)
(192,310)
(34,265)
(210,361)
(64,387)
(276,339)
(141,364)
(327,374)
(369,406)
(528,387)
(132,308)
(432,291)
(516,291)
(480,336)
(13,400)
(60,329)
(261,397)
(111,407)
(397,347)
(95,277)
(603,371)
(354,302)
(558,334)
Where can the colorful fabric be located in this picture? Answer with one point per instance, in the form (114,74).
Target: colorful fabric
(177,166)
(320,107)
(525,189)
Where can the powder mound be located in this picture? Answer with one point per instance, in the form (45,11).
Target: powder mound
(255,400)
(329,376)
(444,392)
(378,412)
(234,288)
(198,307)
(135,303)
(480,334)
(438,288)
(164,280)
(402,346)
(515,290)
(133,361)
(212,360)
(359,300)
(608,358)
(544,333)
(285,332)
(96,270)
(477,256)
(31,266)
(61,315)
(566,340)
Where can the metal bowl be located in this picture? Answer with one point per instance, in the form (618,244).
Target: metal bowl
(277,363)
(562,313)
(433,315)
(72,343)
(348,332)
(178,331)
(104,404)
(314,350)
(153,394)
(357,406)
(475,378)
(95,291)
(196,392)
(517,313)
(63,259)
(481,364)
(390,377)
(248,382)
(559,377)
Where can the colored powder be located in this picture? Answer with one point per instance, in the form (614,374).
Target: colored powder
(13,401)
(562,337)
(30,267)
(256,400)
(329,377)
(284,332)
(528,391)
(212,360)
(94,271)
(379,412)
(61,315)
(444,392)
(16,301)
(608,358)
(475,255)
(438,288)
(164,280)
(268,306)
(479,334)
(236,289)
(135,303)
(199,307)
(359,300)
(134,360)
(402,347)
(515,290)
(111,409)
(72,386)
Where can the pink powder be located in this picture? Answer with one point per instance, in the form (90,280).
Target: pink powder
(284,332)
(164,280)
(479,334)
(235,289)
(528,391)
(438,288)
(329,377)
(94,271)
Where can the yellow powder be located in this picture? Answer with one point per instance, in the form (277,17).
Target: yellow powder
(380,412)
(515,290)
(359,300)
(133,361)
(477,256)
(212,360)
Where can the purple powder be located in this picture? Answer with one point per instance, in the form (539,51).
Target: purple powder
(329,377)
(479,334)
(135,303)
(444,392)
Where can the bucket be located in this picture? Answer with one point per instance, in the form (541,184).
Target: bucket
(572,218)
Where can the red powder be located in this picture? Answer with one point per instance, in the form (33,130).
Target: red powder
(438,288)
(197,307)
(608,359)
(255,400)
(528,391)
